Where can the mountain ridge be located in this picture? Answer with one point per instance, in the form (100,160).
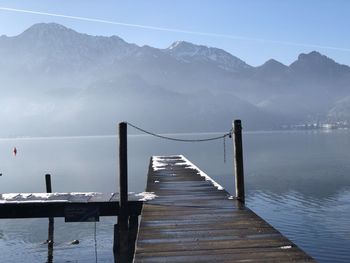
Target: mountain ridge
(188,86)
(181,50)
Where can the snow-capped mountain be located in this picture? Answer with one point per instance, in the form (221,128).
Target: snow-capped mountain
(53,78)
(190,53)
(53,46)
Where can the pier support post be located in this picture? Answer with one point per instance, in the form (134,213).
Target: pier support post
(51,223)
(123,218)
(238,160)
(133,228)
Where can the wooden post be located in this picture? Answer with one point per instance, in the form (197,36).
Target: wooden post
(123,224)
(48,183)
(116,243)
(123,169)
(238,160)
(133,227)
(51,223)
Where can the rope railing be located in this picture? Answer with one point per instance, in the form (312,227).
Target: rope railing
(122,229)
(221,137)
(228,134)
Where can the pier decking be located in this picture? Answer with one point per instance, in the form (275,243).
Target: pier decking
(193,219)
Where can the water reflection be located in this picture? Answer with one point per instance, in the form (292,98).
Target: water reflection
(319,227)
(313,164)
(24,241)
(50,240)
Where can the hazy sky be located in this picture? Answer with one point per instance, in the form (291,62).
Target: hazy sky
(254,30)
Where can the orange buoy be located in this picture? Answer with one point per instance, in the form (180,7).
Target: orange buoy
(14,151)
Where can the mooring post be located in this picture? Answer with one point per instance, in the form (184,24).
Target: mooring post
(51,223)
(116,242)
(48,183)
(123,217)
(238,160)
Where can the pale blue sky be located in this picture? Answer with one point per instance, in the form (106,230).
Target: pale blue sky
(253,30)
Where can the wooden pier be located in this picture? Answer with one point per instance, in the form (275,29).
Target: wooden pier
(193,219)
(185,215)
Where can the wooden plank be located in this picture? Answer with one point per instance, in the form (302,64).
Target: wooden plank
(103,197)
(228,255)
(193,220)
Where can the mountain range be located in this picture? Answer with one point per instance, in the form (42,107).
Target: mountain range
(56,81)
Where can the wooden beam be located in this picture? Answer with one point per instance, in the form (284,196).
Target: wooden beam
(57,209)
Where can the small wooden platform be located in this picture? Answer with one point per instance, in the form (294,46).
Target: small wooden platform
(193,219)
(36,205)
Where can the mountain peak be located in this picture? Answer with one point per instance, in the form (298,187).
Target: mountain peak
(313,56)
(274,63)
(52,45)
(48,34)
(271,68)
(47,28)
(188,48)
(181,44)
(315,53)
(314,63)
(189,52)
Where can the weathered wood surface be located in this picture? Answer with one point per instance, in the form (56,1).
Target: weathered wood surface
(36,205)
(191,220)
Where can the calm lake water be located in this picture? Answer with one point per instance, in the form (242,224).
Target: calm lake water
(298,181)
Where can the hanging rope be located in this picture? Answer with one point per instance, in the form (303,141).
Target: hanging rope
(180,140)
(225,149)
(228,134)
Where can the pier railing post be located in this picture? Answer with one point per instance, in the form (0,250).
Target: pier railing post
(133,228)
(238,160)
(123,217)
